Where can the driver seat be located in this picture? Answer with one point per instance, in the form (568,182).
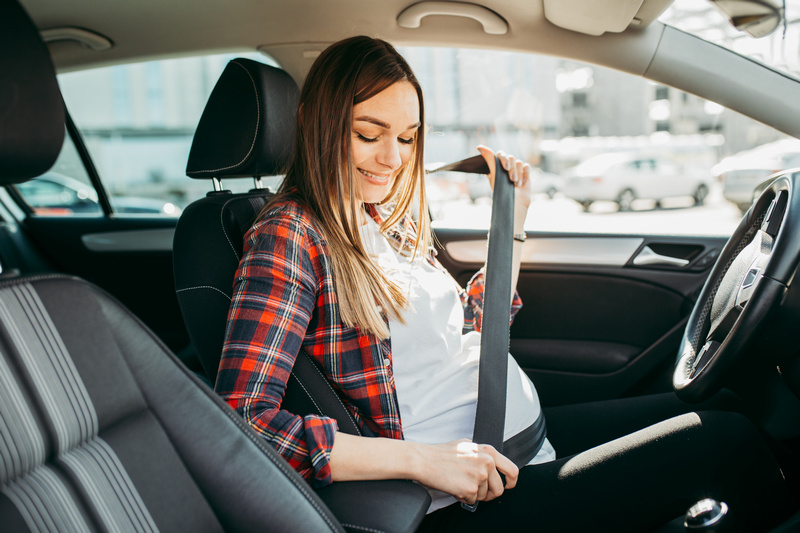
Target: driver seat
(246,131)
(101,427)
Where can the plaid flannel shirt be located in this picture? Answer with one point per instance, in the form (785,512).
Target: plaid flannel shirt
(284,301)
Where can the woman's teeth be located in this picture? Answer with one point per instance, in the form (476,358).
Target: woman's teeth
(374,177)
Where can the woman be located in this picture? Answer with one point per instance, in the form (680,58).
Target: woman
(335,266)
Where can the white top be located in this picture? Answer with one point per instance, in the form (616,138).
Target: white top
(435,366)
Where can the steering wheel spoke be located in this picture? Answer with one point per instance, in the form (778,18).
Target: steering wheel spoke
(704,357)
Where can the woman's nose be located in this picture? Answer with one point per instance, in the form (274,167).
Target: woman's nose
(389,155)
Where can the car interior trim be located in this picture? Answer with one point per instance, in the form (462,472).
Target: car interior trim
(596,18)
(88,163)
(727,78)
(492,23)
(150,240)
(564,251)
(87,38)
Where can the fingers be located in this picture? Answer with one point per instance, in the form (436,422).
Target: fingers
(469,471)
(499,464)
(504,465)
(509,470)
(522,174)
(519,171)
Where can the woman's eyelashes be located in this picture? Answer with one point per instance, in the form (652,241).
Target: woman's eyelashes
(366,139)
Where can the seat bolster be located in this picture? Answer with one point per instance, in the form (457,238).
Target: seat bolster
(313,393)
(246,483)
(207,249)
(251,469)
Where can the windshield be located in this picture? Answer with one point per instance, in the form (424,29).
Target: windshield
(780,49)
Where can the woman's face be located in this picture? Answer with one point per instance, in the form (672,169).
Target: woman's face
(384,132)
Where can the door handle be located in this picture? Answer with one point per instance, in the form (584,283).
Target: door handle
(647,257)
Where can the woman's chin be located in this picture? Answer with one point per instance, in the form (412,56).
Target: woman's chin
(372,194)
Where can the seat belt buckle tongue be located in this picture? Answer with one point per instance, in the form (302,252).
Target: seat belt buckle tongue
(471,508)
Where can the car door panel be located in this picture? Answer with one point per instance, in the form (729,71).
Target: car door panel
(594,324)
(130,257)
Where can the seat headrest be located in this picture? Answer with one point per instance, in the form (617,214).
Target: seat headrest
(247,127)
(31,108)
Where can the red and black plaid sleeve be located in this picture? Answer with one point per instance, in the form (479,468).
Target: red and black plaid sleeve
(472,301)
(273,300)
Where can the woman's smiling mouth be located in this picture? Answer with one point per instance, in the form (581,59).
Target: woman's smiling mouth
(375,179)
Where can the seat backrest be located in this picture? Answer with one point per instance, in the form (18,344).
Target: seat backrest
(206,251)
(101,428)
(245,131)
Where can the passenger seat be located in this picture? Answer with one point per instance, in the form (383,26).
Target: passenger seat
(101,428)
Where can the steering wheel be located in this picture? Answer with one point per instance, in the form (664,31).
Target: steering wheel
(748,282)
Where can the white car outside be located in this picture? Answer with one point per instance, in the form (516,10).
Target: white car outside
(625,177)
(741,173)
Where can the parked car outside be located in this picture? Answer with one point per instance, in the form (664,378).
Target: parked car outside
(741,173)
(625,177)
(56,194)
(542,183)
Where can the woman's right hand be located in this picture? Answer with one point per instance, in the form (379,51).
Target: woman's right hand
(466,470)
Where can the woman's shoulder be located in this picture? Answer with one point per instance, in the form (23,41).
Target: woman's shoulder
(286,217)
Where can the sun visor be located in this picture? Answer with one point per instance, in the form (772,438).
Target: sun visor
(596,17)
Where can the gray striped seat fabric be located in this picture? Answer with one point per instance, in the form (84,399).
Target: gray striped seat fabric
(101,429)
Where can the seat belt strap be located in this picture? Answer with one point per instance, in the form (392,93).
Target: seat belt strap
(490,416)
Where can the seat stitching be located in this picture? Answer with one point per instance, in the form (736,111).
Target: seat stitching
(225,231)
(203,287)
(38,277)
(325,379)
(279,462)
(296,377)
(255,131)
(363,528)
(269,452)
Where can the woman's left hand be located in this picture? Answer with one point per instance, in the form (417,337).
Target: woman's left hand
(519,172)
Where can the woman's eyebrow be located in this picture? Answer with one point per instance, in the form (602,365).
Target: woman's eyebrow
(382,124)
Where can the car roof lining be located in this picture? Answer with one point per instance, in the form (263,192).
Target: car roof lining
(181,29)
(645,51)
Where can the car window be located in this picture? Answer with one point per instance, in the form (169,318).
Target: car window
(63,190)
(137,122)
(589,132)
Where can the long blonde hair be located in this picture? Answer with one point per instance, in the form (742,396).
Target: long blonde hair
(321,173)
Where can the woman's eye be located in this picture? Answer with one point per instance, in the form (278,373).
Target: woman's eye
(367,139)
(406,141)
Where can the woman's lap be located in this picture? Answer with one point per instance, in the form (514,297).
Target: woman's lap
(638,481)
